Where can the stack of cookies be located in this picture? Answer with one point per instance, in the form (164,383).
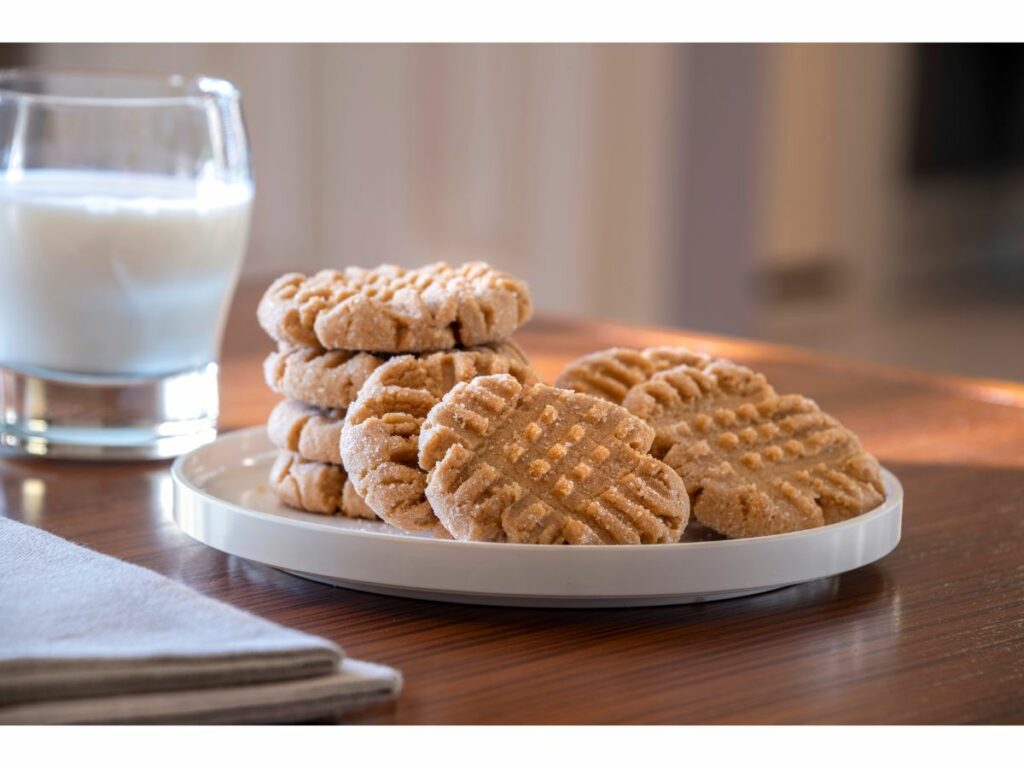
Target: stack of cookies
(336,332)
(407,401)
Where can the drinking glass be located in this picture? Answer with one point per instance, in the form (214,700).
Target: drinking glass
(124,215)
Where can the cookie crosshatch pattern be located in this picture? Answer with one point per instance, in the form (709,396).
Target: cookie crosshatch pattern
(543,465)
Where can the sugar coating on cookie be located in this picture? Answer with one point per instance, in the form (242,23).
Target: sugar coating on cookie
(611,373)
(380,441)
(543,465)
(754,462)
(313,433)
(314,486)
(328,378)
(392,309)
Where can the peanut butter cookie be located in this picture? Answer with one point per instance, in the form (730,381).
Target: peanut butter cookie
(754,462)
(543,465)
(611,373)
(328,378)
(311,432)
(313,486)
(391,309)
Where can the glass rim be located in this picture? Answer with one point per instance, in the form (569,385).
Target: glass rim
(192,88)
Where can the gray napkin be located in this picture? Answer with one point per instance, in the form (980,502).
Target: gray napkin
(88,638)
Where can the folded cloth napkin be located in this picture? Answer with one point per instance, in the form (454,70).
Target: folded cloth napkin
(86,638)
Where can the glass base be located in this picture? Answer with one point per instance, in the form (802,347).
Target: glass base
(73,416)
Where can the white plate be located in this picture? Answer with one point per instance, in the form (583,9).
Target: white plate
(221,498)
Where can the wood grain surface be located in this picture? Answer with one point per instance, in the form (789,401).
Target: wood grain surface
(933,633)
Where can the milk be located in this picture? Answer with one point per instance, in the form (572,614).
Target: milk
(112,274)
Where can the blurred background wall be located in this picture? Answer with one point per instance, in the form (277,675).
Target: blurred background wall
(865,200)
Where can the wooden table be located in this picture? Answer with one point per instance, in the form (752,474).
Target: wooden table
(932,633)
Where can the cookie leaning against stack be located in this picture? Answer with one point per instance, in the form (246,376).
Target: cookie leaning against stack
(336,328)
(542,465)
(380,441)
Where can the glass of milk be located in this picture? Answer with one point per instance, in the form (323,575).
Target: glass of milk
(124,214)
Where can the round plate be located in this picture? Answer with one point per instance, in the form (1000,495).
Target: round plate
(221,498)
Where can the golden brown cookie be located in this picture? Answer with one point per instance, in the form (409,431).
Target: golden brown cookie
(391,309)
(380,442)
(313,486)
(311,432)
(542,465)
(321,377)
(611,373)
(754,462)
